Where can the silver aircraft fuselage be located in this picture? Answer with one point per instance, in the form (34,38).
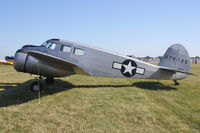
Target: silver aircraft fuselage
(67,58)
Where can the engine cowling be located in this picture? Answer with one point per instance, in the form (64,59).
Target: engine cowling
(29,64)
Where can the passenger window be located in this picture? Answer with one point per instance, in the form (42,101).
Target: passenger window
(78,51)
(66,49)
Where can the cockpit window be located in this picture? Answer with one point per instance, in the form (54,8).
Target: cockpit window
(49,45)
(78,51)
(53,45)
(43,44)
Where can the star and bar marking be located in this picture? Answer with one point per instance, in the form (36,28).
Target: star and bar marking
(128,68)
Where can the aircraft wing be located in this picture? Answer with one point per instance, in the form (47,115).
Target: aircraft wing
(169,69)
(6,62)
(9,62)
(60,63)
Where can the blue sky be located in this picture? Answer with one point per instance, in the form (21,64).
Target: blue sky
(139,27)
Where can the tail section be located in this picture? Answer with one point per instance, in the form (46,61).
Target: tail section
(176,58)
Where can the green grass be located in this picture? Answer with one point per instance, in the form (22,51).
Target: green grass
(96,104)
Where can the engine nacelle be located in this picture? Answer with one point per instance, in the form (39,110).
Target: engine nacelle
(19,61)
(29,64)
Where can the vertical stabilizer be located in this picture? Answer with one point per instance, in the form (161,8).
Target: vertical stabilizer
(176,58)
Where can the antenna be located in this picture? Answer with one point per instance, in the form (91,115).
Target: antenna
(38,83)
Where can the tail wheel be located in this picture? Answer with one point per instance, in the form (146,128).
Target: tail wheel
(176,83)
(35,87)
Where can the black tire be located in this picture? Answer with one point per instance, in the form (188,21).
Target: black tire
(35,88)
(49,80)
(177,84)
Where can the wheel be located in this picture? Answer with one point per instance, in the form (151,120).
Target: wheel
(35,87)
(177,84)
(49,80)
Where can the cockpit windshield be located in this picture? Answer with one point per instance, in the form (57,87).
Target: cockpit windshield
(48,44)
(44,44)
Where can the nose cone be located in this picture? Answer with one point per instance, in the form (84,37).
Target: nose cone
(20,61)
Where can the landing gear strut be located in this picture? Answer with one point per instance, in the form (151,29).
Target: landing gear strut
(176,83)
(37,85)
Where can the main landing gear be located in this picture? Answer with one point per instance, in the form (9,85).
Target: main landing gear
(176,83)
(37,85)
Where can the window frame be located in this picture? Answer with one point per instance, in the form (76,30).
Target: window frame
(50,47)
(62,48)
(49,44)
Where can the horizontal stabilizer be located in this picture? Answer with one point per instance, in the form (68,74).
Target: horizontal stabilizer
(169,69)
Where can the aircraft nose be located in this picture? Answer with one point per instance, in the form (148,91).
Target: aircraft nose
(20,61)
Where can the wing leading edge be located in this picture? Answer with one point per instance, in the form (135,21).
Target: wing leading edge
(57,62)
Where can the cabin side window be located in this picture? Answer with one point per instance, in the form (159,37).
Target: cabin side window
(66,49)
(78,51)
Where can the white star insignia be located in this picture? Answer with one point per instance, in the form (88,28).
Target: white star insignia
(128,68)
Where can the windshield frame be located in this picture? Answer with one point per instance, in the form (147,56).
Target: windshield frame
(44,44)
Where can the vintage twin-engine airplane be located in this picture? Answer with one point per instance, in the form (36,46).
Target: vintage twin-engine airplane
(58,58)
